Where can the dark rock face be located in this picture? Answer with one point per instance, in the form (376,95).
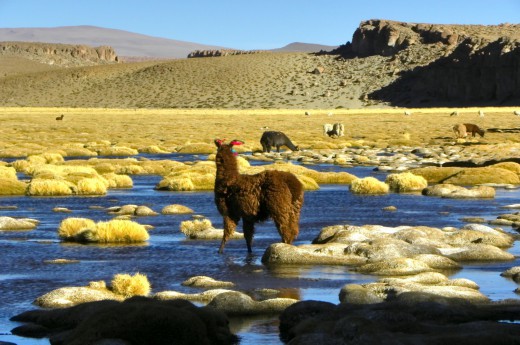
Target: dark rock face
(138,320)
(444,322)
(473,64)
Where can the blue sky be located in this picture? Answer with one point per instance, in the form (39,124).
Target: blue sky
(250,24)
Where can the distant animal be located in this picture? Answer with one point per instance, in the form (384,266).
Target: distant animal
(516,112)
(460,131)
(408,113)
(334,131)
(307,113)
(455,113)
(330,114)
(254,198)
(276,139)
(481,113)
(473,129)
(327,128)
(59,118)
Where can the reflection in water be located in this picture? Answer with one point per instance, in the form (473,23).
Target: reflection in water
(169,258)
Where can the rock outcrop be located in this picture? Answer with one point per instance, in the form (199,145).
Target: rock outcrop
(60,54)
(463,64)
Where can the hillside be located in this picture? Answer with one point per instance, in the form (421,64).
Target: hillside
(386,64)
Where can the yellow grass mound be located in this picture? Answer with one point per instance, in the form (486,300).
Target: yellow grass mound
(10,186)
(192,227)
(406,182)
(45,187)
(115,231)
(69,228)
(368,185)
(128,286)
(474,176)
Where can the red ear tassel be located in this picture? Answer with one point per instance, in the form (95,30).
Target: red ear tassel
(236,142)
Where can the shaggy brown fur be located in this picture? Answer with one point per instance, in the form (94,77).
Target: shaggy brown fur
(253,198)
(472,128)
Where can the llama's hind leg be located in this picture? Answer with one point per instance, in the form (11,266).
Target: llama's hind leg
(229,229)
(288,231)
(249,231)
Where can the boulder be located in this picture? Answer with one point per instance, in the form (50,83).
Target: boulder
(238,303)
(138,320)
(446,190)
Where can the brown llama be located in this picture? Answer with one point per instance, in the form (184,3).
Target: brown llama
(472,128)
(59,118)
(254,198)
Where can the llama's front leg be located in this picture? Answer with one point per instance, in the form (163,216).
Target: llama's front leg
(249,231)
(229,229)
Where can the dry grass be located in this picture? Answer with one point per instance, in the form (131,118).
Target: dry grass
(30,131)
(45,187)
(115,231)
(128,286)
(191,227)
(70,228)
(406,182)
(368,185)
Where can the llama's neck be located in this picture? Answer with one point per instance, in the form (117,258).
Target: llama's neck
(227,170)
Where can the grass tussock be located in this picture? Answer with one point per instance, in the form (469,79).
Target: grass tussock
(45,187)
(368,185)
(70,228)
(12,187)
(115,231)
(191,227)
(117,151)
(308,182)
(8,173)
(474,176)
(121,231)
(118,180)
(128,285)
(406,182)
(91,186)
(203,148)
(154,149)
(511,166)
(436,174)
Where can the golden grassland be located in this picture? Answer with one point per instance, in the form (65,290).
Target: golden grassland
(27,131)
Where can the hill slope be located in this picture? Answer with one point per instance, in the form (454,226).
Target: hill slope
(387,64)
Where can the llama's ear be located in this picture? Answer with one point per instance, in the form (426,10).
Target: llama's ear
(218,142)
(236,142)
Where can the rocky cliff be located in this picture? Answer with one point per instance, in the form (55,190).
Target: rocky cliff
(60,54)
(463,64)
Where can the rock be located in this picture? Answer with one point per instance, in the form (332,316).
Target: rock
(433,319)
(206,282)
(238,303)
(8,223)
(330,254)
(457,192)
(509,273)
(138,320)
(204,296)
(145,211)
(70,296)
(176,209)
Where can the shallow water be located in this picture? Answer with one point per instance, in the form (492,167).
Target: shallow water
(169,258)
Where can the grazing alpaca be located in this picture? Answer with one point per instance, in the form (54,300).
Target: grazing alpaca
(334,131)
(253,198)
(59,118)
(327,127)
(276,139)
(460,131)
(472,128)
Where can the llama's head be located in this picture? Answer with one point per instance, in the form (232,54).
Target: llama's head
(225,152)
(481,131)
